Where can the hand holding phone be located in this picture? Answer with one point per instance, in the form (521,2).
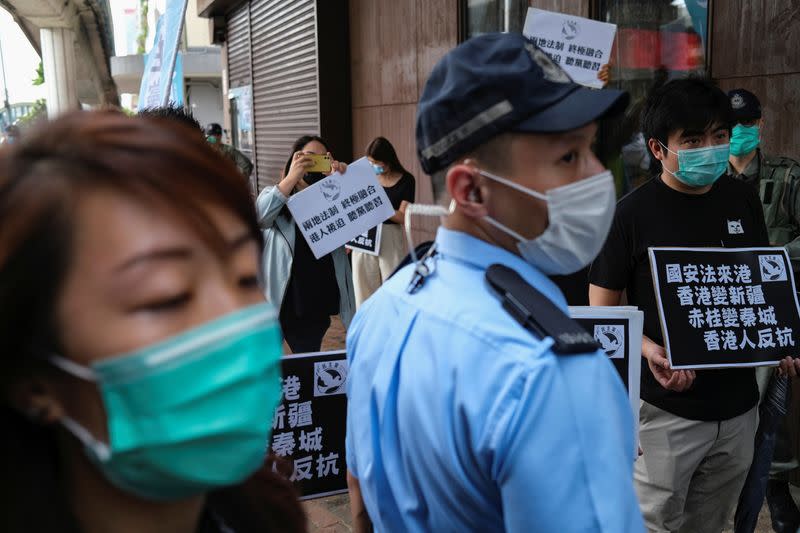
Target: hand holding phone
(321,163)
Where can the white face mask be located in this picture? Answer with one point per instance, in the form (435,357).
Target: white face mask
(579,215)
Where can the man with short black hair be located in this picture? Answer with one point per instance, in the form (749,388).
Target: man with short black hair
(696,427)
(174,112)
(474,402)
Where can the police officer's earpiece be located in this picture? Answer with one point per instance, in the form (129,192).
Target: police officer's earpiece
(474,196)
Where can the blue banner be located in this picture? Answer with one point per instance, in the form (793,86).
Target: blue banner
(157,80)
(176,93)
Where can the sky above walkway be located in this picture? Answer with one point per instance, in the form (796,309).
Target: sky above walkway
(21,61)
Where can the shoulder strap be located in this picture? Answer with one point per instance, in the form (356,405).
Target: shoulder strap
(537,314)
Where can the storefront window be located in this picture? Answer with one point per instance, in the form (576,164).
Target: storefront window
(485,16)
(656,41)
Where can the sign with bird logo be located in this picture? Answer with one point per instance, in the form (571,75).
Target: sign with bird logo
(308,428)
(726,307)
(339,208)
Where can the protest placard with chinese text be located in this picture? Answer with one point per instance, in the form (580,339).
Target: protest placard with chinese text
(579,45)
(368,242)
(309,425)
(340,207)
(725,307)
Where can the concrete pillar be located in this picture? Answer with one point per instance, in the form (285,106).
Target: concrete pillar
(58,59)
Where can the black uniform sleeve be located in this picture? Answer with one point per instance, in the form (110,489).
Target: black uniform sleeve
(612,268)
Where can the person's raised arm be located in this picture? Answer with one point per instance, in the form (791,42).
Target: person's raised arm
(300,162)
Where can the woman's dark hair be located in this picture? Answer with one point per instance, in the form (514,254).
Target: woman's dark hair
(380,149)
(42,180)
(298,145)
(692,104)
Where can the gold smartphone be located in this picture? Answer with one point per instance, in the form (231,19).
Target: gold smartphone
(322,163)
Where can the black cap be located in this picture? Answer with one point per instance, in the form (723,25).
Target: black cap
(745,105)
(497,83)
(214,129)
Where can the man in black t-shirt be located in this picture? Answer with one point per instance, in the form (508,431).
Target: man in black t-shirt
(696,428)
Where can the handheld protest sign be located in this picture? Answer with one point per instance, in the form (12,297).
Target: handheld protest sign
(308,428)
(368,242)
(619,332)
(725,307)
(579,45)
(338,208)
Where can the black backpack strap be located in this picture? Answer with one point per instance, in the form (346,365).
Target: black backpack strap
(537,314)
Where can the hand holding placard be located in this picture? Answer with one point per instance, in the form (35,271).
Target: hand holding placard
(674,380)
(789,366)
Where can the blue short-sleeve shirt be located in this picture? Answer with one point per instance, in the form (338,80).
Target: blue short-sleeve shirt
(460,420)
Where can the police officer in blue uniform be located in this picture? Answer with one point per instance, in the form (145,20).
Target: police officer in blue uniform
(474,402)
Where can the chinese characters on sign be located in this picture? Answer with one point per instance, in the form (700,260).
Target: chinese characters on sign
(725,307)
(580,46)
(335,210)
(308,428)
(588,58)
(368,242)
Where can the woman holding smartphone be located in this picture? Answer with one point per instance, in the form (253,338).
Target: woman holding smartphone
(307,290)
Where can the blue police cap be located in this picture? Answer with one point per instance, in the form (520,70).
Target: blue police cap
(745,105)
(497,83)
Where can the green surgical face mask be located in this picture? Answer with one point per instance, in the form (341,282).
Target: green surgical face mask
(699,167)
(211,139)
(188,414)
(744,139)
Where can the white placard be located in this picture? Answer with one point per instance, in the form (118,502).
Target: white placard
(340,207)
(579,45)
(606,327)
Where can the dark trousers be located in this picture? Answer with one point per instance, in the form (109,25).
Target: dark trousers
(303,334)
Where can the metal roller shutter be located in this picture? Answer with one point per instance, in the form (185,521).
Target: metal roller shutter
(239,47)
(285,87)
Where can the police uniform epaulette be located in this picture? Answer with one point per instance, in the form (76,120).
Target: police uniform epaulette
(536,313)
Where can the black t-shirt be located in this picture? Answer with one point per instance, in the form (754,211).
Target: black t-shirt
(575,287)
(404,189)
(657,215)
